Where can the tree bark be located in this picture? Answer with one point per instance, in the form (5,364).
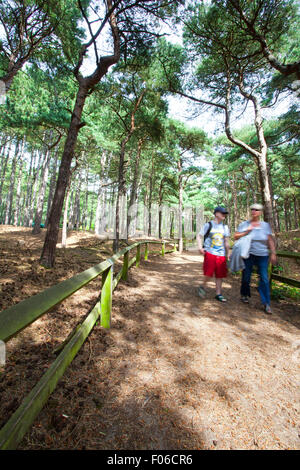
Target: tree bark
(28,192)
(160,199)
(65,218)
(122,171)
(17,209)
(48,253)
(8,214)
(296,212)
(235,209)
(6,159)
(33,190)
(52,185)
(261,154)
(150,198)
(134,187)
(86,85)
(41,194)
(180,205)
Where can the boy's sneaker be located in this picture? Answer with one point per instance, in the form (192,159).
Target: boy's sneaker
(245,299)
(268,309)
(220,298)
(201,292)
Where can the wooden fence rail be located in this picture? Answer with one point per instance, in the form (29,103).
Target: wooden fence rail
(18,317)
(285,280)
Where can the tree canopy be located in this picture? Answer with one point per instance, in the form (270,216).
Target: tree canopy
(86,122)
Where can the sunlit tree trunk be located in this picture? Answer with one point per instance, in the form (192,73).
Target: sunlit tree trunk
(52,185)
(34,189)
(17,209)
(41,194)
(65,218)
(180,205)
(134,187)
(9,208)
(5,160)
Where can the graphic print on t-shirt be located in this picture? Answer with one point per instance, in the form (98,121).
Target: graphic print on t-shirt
(217,240)
(214,243)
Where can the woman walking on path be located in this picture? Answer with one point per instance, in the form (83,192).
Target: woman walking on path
(261,242)
(215,250)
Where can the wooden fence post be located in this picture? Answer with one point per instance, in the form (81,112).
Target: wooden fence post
(125,267)
(163,249)
(106,298)
(146,251)
(138,255)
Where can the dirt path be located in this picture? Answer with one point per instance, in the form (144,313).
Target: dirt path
(178,372)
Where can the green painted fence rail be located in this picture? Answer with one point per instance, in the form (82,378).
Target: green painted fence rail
(16,318)
(283,279)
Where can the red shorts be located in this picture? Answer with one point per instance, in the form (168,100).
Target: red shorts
(214,265)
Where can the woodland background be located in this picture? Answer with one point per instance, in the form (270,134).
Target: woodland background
(85,119)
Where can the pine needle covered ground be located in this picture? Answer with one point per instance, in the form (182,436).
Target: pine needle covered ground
(173,372)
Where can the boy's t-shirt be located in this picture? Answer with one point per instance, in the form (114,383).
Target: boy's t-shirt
(214,243)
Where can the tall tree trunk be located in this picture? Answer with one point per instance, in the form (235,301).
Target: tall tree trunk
(272,196)
(77,210)
(91,216)
(8,214)
(150,197)
(180,205)
(235,209)
(86,199)
(86,86)
(33,194)
(41,194)
(98,211)
(248,204)
(17,209)
(72,216)
(5,143)
(4,168)
(296,212)
(121,191)
(277,216)
(260,154)
(160,199)
(101,196)
(65,218)
(48,253)
(122,172)
(286,214)
(290,213)
(134,188)
(28,193)
(52,185)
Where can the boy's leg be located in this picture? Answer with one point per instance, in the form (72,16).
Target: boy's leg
(220,273)
(208,270)
(218,285)
(203,289)
(206,280)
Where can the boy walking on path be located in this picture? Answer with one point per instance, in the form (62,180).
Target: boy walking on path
(215,250)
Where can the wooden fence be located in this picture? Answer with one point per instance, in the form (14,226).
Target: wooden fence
(18,317)
(277,277)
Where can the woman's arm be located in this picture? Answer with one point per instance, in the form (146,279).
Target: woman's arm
(272,248)
(239,235)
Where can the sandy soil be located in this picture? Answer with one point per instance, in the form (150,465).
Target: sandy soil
(173,372)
